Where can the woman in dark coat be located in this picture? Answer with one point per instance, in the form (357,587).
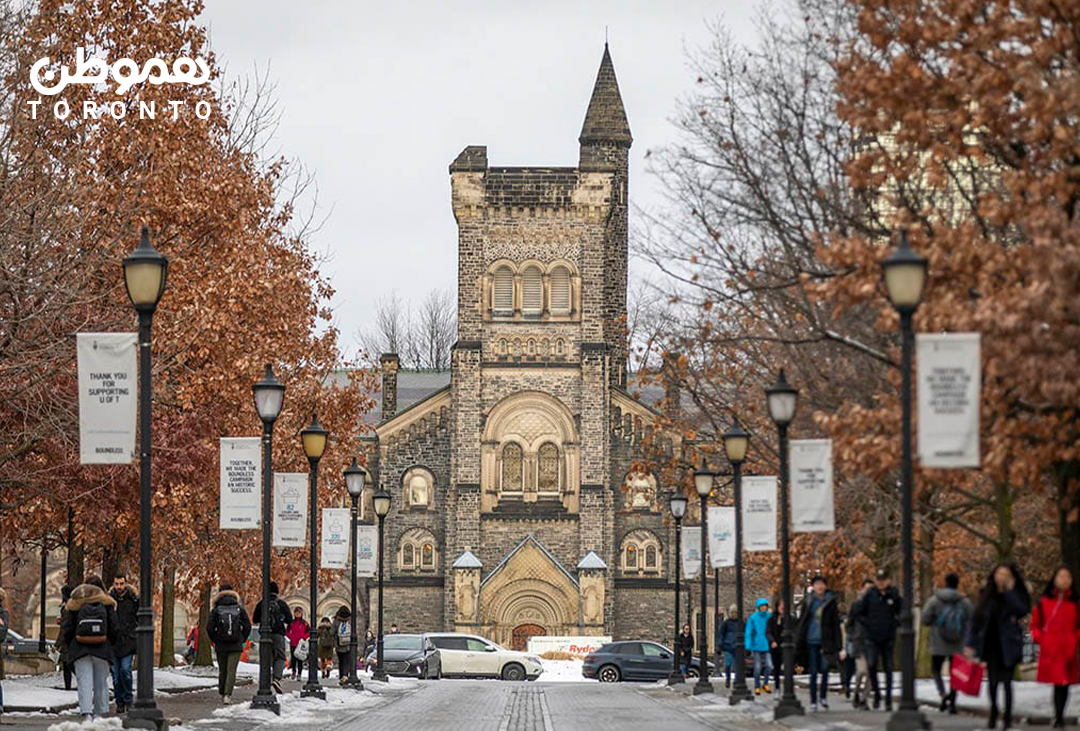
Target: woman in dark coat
(90,629)
(774,631)
(685,649)
(996,636)
(1055,627)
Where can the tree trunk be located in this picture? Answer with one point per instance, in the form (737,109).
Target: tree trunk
(1068,515)
(110,564)
(167,653)
(203,656)
(75,555)
(363,608)
(1003,500)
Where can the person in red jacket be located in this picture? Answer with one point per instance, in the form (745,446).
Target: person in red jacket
(298,630)
(1055,627)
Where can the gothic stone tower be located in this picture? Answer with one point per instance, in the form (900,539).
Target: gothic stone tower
(542,278)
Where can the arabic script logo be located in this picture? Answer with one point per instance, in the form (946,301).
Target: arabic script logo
(125,72)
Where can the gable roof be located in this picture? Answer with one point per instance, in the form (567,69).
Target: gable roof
(591,562)
(527,540)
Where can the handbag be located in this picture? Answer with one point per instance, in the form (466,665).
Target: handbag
(965,675)
(301,651)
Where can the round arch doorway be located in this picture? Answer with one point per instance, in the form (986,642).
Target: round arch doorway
(520,638)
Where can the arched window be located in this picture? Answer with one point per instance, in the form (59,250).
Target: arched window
(631,556)
(560,291)
(502,291)
(640,551)
(427,556)
(560,348)
(532,292)
(531,346)
(547,468)
(417,551)
(650,557)
(408,556)
(417,485)
(511,468)
(502,347)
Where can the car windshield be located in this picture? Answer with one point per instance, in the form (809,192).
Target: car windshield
(403,642)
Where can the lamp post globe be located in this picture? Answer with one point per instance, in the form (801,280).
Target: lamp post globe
(736,442)
(313,439)
(355,479)
(677,502)
(269,394)
(704,479)
(145,271)
(380,501)
(905,274)
(783,399)
(736,445)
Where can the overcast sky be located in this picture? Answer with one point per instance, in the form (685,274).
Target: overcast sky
(377,98)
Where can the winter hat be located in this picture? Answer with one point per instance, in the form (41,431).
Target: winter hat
(762,602)
(733,610)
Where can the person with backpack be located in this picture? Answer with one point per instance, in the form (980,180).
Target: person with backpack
(342,634)
(278,625)
(729,635)
(879,612)
(817,639)
(299,631)
(326,646)
(757,643)
(91,630)
(228,627)
(4,621)
(996,636)
(127,617)
(948,615)
(1055,627)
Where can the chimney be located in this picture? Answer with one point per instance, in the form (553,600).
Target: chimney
(389,363)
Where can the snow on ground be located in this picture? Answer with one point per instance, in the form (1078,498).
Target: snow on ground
(102,724)
(562,671)
(46,692)
(295,711)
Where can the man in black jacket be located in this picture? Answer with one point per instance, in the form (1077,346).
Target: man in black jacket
(278,624)
(228,628)
(879,614)
(817,639)
(127,618)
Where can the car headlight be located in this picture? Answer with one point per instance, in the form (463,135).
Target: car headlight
(533,659)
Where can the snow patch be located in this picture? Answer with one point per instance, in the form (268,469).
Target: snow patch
(101,724)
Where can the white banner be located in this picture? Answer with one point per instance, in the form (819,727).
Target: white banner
(950,382)
(691,550)
(108,388)
(367,545)
(721,537)
(759,513)
(335,538)
(290,509)
(576,646)
(241,478)
(811,486)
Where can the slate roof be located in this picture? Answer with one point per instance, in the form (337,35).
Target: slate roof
(605,119)
(591,562)
(467,560)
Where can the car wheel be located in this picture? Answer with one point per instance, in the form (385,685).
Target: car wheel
(691,672)
(513,671)
(609,674)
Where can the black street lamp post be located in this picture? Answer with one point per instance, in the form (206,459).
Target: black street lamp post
(145,272)
(703,483)
(269,395)
(905,277)
(677,501)
(736,444)
(355,477)
(313,438)
(716,621)
(783,398)
(381,502)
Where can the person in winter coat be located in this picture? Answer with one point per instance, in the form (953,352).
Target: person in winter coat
(369,645)
(774,631)
(298,630)
(729,636)
(4,621)
(65,665)
(818,639)
(228,627)
(342,634)
(685,649)
(91,630)
(879,612)
(127,617)
(996,637)
(1055,627)
(326,646)
(757,643)
(278,624)
(948,615)
(855,647)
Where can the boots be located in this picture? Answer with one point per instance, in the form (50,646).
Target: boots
(952,703)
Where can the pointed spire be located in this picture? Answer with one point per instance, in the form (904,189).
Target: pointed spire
(605,120)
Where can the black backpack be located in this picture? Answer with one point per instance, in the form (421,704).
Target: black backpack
(279,617)
(227,624)
(951,622)
(92,626)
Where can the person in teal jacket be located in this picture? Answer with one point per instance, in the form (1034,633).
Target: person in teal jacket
(757,644)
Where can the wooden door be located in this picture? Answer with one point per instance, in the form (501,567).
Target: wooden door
(522,633)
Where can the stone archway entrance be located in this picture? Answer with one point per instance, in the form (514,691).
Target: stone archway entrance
(520,638)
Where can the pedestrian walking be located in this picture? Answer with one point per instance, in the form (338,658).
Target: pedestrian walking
(342,634)
(818,640)
(685,649)
(91,630)
(326,646)
(948,615)
(879,612)
(1055,627)
(774,630)
(298,630)
(996,637)
(228,627)
(278,624)
(369,646)
(61,648)
(855,646)
(729,636)
(4,622)
(393,628)
(757,643)
(127,618)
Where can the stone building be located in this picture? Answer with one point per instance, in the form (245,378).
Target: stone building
(514,509)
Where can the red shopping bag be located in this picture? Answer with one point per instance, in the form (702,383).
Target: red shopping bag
(965,675)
